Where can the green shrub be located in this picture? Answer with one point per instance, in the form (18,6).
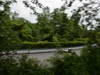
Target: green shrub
(32,45)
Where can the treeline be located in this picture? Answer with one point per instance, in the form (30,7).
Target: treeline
(51,27)
(88,63)
(51,30)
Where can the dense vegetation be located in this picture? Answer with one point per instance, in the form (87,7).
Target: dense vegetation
(52,30)
(88,63)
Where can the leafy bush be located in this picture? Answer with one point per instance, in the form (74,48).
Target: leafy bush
(91,58)
(67,64)
(88,63)
(21,66)
(32,45)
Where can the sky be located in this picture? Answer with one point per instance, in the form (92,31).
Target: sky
(24,12)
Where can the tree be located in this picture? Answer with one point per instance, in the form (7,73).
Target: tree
(88,11)
(23,28)
(21,65)
(8,37)
(44,26)
(68,64)
(91,58)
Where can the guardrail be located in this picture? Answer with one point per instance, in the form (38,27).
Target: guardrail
(37,51)
(47,50)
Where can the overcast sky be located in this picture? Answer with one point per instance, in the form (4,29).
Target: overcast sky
(25,12)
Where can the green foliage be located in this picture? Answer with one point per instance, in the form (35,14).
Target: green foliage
(20,66)
(7,65)
(42,44)
(52,30)
(91,57)
(88,63)
(8,37)
(29,67)
(23,28)
(55,28)
(52,27)
(68,64)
